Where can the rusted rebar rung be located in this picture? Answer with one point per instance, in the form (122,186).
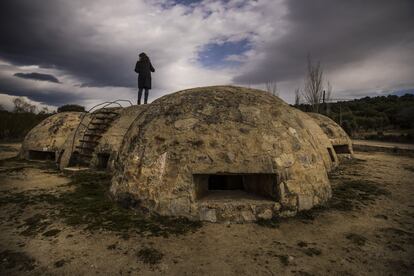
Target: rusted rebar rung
(88,141)
(85,148)
(100,123)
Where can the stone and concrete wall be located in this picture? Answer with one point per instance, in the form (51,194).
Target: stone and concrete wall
(111,140)
(220,130)
(72,140)
(320,140)
(338,137)
(50,135)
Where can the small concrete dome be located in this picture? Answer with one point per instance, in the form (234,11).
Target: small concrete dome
(46,139)
(322,142)
(107,148)
(107,142)
(336,134)
(221,153)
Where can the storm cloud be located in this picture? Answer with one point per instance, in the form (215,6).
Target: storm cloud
(336,33)
(90,47)
(53,34)
(37,76)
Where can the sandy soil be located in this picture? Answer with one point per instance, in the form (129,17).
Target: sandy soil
(367,229)
(384,144)
(8,150)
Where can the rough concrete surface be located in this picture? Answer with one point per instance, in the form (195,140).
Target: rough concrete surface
(51,133)
(335,133)
(221,130)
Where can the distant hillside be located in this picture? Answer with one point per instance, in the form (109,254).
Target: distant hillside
(374,116)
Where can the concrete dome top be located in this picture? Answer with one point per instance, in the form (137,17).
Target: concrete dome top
(221,153)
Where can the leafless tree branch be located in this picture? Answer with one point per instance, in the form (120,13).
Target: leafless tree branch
(271,87)
(313,90)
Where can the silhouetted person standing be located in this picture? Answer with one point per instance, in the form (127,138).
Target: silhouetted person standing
(144,69)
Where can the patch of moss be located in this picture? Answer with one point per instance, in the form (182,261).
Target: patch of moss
(12,169)
(311,251)
(397,235)
(353,194)
(356,239)
(51,233)
(16,260)
(302,244)
(34,225)
(88,204)
(284,259)
(150,255)
(307,214)
(16,162)
(347,196)
(408,168)
(6,161)
(5,148)
(196,143)
(24,199)
(60,263)
(269,223)
(111,246)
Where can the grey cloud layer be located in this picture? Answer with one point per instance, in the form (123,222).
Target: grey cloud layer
(48,94)
(50,33)
(95,43)
(336,32)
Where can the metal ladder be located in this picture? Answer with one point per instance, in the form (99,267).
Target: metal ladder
(99,124)
(101,120)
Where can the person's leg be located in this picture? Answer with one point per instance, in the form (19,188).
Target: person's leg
(146,95)
(139,96)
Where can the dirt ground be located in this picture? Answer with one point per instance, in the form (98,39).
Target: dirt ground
(65,225)
(380,144)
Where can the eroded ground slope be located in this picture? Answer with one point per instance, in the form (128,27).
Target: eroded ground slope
(54,225)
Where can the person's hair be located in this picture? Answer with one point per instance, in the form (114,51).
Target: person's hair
(143,56)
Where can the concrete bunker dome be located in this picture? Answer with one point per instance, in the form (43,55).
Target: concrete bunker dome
(221,153)
(321,141)
(46,139)
(340,140)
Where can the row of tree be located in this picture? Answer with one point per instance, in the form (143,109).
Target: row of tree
(14,125)
(371,113)
(375,115)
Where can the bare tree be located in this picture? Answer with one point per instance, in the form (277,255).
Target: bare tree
(328,97)
(21,106)
(271,87)
(313,90)
(297,96)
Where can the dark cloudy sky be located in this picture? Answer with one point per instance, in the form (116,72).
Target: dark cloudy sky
(60,51)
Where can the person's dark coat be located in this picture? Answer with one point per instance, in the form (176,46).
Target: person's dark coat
(144,69)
